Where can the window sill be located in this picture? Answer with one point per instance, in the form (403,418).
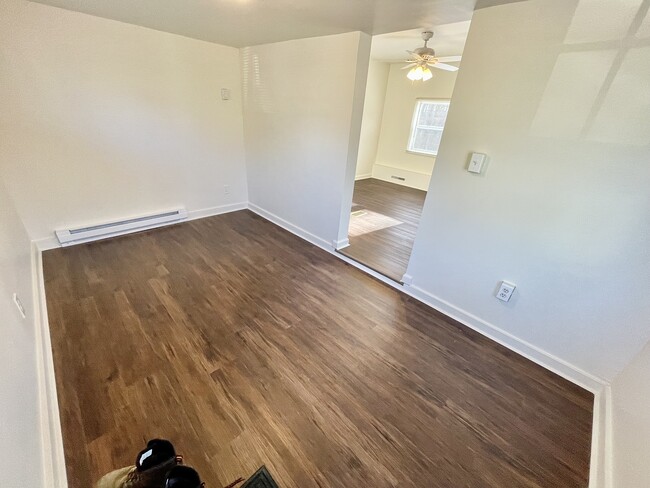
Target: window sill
(417,153)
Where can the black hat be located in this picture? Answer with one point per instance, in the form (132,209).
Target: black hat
(183,477)
(157,452)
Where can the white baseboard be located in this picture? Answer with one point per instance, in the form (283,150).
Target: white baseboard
(608,441)
(46,243)
(412,179)
(363,177)
(212,211)
(53,459)
(537,355)
(341,244)
(600,466)
(407,279)
(294,229)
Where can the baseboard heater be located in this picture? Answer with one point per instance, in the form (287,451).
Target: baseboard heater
(69,237)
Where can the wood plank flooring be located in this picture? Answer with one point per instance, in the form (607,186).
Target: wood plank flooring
(387,250)
(245,346)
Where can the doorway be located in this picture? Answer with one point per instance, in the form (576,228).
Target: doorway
(402,126)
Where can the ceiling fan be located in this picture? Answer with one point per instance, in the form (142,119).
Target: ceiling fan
(424,57)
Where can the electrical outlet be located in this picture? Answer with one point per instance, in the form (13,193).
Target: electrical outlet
(226,189)
(19,305)
(226,94)
(505,291)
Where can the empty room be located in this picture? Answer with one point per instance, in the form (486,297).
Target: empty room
(204,281)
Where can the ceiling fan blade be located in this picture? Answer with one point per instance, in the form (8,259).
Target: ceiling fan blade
(415,55)
(410,65)
(446,67)
(449,59)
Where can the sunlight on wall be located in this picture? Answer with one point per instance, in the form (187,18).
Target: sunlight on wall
(613,18)
(571,91)
(255,92)
(644,30)
(596,78)
(627,102)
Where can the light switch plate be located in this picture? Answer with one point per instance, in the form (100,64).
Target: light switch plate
(225,94)
(476,163)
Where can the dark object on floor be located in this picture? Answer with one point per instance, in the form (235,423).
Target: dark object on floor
(151,467)
(261,479)
(183,477)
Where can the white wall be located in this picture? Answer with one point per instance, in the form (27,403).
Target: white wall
(373,110)
(401,96)
(631,420)
(302,124)
(564,209)
(101,119)
(19,417)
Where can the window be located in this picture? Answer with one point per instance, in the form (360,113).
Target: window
(428,123)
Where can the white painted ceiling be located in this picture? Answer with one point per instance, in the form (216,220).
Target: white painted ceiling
(240,23)
(448,40)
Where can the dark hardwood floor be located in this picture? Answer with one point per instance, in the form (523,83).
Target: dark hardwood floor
(245,346)
(386,250)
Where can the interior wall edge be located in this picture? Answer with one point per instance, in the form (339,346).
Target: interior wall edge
(354,137)
(288,226)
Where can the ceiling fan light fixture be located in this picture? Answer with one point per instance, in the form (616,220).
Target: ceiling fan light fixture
(423,57)
(418,73)
(413,75)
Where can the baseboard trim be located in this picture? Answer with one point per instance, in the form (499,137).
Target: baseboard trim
(46,243)
(600,465)
(607,440)
(537,355)
(363,177)
(412,179)
(212,211)
(53,459)
(342,244)
(294,229)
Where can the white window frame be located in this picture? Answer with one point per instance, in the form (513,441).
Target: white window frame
(414,124)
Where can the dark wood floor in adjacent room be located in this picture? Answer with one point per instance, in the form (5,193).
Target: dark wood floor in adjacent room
(246,346)
(386,250)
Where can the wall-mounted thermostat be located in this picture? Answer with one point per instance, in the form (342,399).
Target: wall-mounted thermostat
(476,163)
